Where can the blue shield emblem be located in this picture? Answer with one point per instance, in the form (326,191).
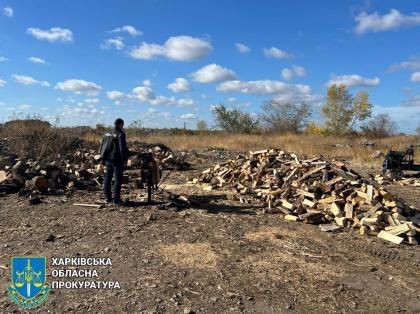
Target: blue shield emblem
(28,288)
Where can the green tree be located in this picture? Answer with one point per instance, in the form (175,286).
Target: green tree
(362,108)
(234,120)
(201,125)
(342,111)
(284,117)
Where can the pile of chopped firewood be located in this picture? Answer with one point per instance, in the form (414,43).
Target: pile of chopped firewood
(80,170)
(315,191)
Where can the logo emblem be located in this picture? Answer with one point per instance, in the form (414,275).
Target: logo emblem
(28,288)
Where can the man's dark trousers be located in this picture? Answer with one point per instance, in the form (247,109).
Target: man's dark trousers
(117,168)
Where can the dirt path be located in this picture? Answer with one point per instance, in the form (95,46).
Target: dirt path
(216,257)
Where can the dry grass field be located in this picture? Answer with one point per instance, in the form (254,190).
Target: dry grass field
(354,149)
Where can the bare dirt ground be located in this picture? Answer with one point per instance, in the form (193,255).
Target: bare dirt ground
(217,256)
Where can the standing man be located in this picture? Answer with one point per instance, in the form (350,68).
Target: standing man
(114,153)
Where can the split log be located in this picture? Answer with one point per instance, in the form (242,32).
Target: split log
(39,183)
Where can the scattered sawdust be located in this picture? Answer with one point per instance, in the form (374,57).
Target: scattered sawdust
(274,264)
(286,255)
(195,255)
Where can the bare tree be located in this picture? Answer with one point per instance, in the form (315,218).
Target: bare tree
(380,125)
(284,117)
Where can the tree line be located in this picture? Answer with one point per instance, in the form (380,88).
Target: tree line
(343,113)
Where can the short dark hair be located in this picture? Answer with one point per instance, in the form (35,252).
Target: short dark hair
(118,121)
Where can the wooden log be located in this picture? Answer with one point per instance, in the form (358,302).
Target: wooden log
(89,205)
(291,218)
(401,229)
(3,176)
(39,183)
(335,209)
(348,208)
(390,237)
(329,227)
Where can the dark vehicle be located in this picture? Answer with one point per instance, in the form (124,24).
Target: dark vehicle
(401,163)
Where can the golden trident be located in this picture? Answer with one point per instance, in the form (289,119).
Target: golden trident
(28,275)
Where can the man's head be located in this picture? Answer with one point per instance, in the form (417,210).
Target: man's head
(119,123)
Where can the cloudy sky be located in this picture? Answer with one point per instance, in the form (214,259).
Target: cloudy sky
(166,62)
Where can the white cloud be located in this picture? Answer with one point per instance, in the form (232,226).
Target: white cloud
(7,11)
(262,87)
(147,83)
(3,59)
(92,101)
(117,43)
(24,107)
(54,34)
(188,116)
(36,60)
(185,102)
(242,48)
(79,87)
(213,73)
(288,74)
(127,29)
(413,101)
(115,95)
(2,83)
(274,52)
(143,93)
(391,21)
(27,80)
(415,77)
(299,71)
(179,48)
(280,91)
(413,64)
(354,80)
(180,85)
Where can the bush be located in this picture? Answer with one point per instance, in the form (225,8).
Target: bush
(234,120)
(31,137)
(314,129)
(284,117)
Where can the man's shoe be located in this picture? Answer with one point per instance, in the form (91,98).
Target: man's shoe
(117,202)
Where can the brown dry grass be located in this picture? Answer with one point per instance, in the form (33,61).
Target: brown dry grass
(194,255)
(301,144)
(350,148)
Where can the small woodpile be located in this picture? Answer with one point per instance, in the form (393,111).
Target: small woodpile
(315,191)
(162,154)
(389,178)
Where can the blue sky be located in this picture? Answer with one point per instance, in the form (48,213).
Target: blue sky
(166,62)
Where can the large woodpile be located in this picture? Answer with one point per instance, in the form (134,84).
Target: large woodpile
(80,170)
(315,191)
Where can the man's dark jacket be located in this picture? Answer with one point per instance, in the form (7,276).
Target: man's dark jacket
(114,147)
